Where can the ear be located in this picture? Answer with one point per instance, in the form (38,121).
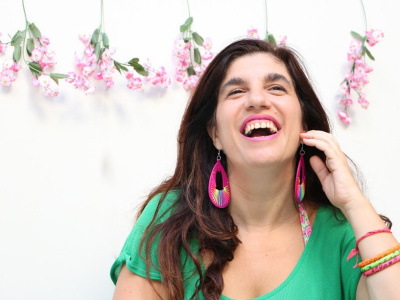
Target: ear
(213,133)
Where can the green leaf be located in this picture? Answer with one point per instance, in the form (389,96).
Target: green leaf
(17,38)
(138,67)
(35,31)
(106,41)
(56,76)
(368,53)
(357,36)
(133,60)
(197,56)
(186,40)
(198,39)
(120,67)
(17,53)
(190,71)
(95,36)
(271,39)
(185,26)
(35,68)
(30,44)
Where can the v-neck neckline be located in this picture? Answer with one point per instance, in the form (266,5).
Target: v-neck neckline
(296,268)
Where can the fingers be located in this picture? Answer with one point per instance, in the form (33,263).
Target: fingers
(323,141)
(319,168)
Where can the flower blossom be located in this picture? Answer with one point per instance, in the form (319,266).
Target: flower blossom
(187,70)
(90,67)
(253,32)
(344,117)
(157,76)
(8,73)
(374,36)
(3,47)
(357,78)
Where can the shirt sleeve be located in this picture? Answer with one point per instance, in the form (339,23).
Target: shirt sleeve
(131,254)
(350,275)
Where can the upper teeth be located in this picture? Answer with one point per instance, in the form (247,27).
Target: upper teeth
(261,124)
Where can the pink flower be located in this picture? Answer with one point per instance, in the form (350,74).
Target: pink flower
(129,75)
(344,89)
(35,82)
(344,117)
(37,54)
(207,44)
(374,36)
(5,81)
(44,81)
(190,82)
(281,40)
(3,47)
(207,55)
(253,32)
(135,83)
(363,102)
(85,38)
(180,44)
(44,40)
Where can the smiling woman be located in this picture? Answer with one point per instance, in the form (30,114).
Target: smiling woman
(254,114)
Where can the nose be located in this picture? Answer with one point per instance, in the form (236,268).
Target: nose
(257,99)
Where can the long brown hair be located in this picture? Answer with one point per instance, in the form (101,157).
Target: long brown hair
(193,216)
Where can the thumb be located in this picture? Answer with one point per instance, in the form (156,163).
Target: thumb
(319,168)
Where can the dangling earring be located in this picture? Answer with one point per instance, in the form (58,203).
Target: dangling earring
(221,195)
(300,182)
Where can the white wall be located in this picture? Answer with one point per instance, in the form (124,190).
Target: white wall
(73,170)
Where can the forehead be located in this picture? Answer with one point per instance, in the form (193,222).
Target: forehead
(254,64)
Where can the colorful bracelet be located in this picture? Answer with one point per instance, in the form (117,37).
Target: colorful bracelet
(355,251)
(380,261)
(382,266)
(379,256)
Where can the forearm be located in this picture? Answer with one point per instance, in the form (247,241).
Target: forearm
(363,218)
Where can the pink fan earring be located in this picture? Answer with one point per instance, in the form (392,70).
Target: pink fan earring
(300,181)
(219,190)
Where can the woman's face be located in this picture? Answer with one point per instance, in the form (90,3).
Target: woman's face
(258,117)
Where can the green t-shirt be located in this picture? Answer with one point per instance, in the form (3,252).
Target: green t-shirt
(322,271)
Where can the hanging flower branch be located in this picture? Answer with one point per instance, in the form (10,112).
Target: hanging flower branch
(9,68)
(192,52)
(31,42)
(269,37)
(356,79)
(97,62)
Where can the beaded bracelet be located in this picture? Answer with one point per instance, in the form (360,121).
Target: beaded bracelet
(382,266)
(379,256)
(380,261)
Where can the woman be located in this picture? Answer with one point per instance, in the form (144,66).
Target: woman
(201,235)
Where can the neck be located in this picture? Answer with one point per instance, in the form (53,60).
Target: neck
(262,198)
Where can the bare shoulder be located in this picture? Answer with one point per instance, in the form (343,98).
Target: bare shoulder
(132,286)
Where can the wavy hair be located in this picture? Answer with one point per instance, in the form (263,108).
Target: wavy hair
(193,215)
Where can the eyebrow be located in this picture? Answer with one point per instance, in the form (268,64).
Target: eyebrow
(232,81)
(271,77)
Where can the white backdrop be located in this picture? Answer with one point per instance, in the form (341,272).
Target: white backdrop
(73,170)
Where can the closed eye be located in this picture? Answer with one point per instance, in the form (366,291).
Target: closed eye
(237,91)
(278,88)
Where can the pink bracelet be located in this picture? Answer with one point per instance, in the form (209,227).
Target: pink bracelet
(355,251)
(382,266)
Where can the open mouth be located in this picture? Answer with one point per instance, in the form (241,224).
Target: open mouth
(260,128)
